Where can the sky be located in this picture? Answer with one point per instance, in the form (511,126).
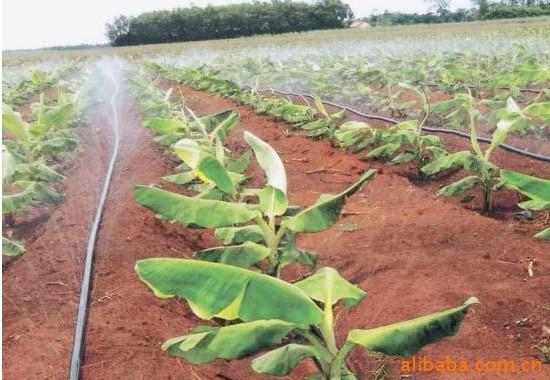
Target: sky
(28,24)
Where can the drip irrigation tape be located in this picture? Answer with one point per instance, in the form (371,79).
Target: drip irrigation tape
(82,317)
(506,147)
(530,90)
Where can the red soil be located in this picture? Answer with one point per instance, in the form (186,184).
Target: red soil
(411,252)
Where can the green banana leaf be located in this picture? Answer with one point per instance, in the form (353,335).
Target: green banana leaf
(282,360)
(459,186)
(11,248)
(535,188)
(236,235)
(328,287)
(326,211)
(545,234)
(269,161)
(244,255)
(190,210)
(406,338)
(226,291)
(229,342)
(166,126)
(204,165)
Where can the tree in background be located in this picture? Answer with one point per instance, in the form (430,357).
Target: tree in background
(441,6)
(229,21)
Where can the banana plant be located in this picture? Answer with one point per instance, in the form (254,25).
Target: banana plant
(326,125)
(48,137)
(358,135)
(406,139)
(485,174)
(271,224)
(23,186)
(536,189)
(265,313)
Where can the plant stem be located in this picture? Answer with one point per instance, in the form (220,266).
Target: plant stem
(338,362)
(325,357)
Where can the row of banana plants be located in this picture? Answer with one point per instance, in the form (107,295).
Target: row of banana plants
(19,93)
(33,153)
(358,81)
(237,285)
(405,142)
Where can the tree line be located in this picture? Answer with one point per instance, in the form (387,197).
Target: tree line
(228,21)
(483,10)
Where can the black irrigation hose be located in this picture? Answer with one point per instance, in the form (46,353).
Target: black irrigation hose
(506,147)
(531,90)
(82,317)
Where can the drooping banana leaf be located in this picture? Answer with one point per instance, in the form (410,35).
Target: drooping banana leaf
(229,342)
(237,235)
(326,211)
(221,130)
(166,126)
(226,291)
(269,161)
(282,360)
(244,255)
(459,186)
(545,234)
(13,124)
(11,248)
(191,210)
(205,166)
(535,188)
(406,338)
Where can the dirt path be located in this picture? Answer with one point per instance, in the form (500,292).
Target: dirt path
(412,253)
(41,288)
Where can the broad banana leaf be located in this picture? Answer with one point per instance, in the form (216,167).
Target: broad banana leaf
(459,186)
(452,161)
(282,360)
(180,178)
(384,150)
(244,255)
(328,287)
(269,161)
(14,125)
(545,234)
(205,166)
(236,235)
(190,210)
(537,189)
(226,291)
(326,211)
(406,338)
(166,126)
(8,164)
(229,342)
(221,130)
(11,248)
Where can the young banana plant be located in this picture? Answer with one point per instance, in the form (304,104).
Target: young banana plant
(358,135)
(406,139)
(259,235)
(24,186)
(326,125)
(265,312)
(485,174)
